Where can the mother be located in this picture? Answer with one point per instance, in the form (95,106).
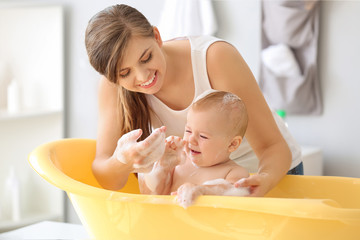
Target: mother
(147,83)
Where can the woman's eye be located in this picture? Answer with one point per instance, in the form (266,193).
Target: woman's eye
(124,74)
(147,59)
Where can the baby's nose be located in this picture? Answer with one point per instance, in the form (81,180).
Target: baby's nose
(192,140)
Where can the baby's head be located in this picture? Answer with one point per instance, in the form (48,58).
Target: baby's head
(215,127)
(231,111)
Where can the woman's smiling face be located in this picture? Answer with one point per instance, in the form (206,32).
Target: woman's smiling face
(143,67)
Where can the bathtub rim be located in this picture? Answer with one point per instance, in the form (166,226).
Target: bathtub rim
(326,209)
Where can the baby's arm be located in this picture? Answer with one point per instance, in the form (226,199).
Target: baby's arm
(188,192)
(159,180)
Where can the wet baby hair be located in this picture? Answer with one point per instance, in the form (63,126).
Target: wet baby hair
(229,105)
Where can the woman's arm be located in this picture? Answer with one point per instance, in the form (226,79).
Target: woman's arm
(228,71)
(117,156)
(110,173)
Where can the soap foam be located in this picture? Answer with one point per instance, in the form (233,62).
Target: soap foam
(150,154)
(231,189)
(153,153)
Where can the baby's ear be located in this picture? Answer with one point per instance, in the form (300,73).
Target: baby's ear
(235,143)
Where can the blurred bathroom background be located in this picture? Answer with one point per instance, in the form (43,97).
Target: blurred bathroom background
(48,90)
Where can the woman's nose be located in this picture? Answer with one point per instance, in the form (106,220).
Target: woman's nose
(141,75)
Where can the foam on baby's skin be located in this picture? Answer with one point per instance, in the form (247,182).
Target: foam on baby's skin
(232,190)
(237,191)
(220,187)
(229,98)
(152,180)
(216,182)
(185,200)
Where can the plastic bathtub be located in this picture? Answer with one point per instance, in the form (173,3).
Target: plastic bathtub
(299,207)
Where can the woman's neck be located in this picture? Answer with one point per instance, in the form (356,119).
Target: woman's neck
(178,77)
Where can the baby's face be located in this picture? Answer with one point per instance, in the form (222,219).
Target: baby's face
(206,132)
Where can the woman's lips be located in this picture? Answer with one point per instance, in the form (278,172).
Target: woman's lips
(151,82)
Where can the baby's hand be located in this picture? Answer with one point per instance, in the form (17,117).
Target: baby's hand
(187,194)
(158,181)
(174,152)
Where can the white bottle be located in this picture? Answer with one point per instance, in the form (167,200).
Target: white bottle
(13,97)
(12,196)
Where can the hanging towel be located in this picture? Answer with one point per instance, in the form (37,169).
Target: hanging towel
(280,60)
(288,76)
(187,18)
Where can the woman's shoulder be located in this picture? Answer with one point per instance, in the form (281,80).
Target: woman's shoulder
(224,64)
(221,51)
(210,44)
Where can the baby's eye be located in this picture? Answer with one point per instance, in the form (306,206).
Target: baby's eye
(187,131)
(147,59)
(203,137)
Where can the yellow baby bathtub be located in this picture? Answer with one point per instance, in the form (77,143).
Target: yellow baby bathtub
(300,207)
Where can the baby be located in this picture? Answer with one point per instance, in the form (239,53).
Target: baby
(200,164)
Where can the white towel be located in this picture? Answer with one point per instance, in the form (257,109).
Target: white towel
(187,18)
(280,60)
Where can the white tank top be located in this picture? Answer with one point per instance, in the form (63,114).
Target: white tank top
(175,120)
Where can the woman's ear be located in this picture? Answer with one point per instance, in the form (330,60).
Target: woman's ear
(157,36)
(235,143)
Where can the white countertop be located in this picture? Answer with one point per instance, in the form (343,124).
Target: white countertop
(47,230)
(312,158)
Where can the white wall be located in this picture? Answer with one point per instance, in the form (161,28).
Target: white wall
(32,55)
(335,131)
(239,23)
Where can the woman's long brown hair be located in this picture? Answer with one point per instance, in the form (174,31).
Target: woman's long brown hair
(106,38)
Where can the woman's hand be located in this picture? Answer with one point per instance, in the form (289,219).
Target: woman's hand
(259,184)
(141,155)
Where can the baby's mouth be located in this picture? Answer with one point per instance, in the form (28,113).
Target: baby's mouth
(194,152)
